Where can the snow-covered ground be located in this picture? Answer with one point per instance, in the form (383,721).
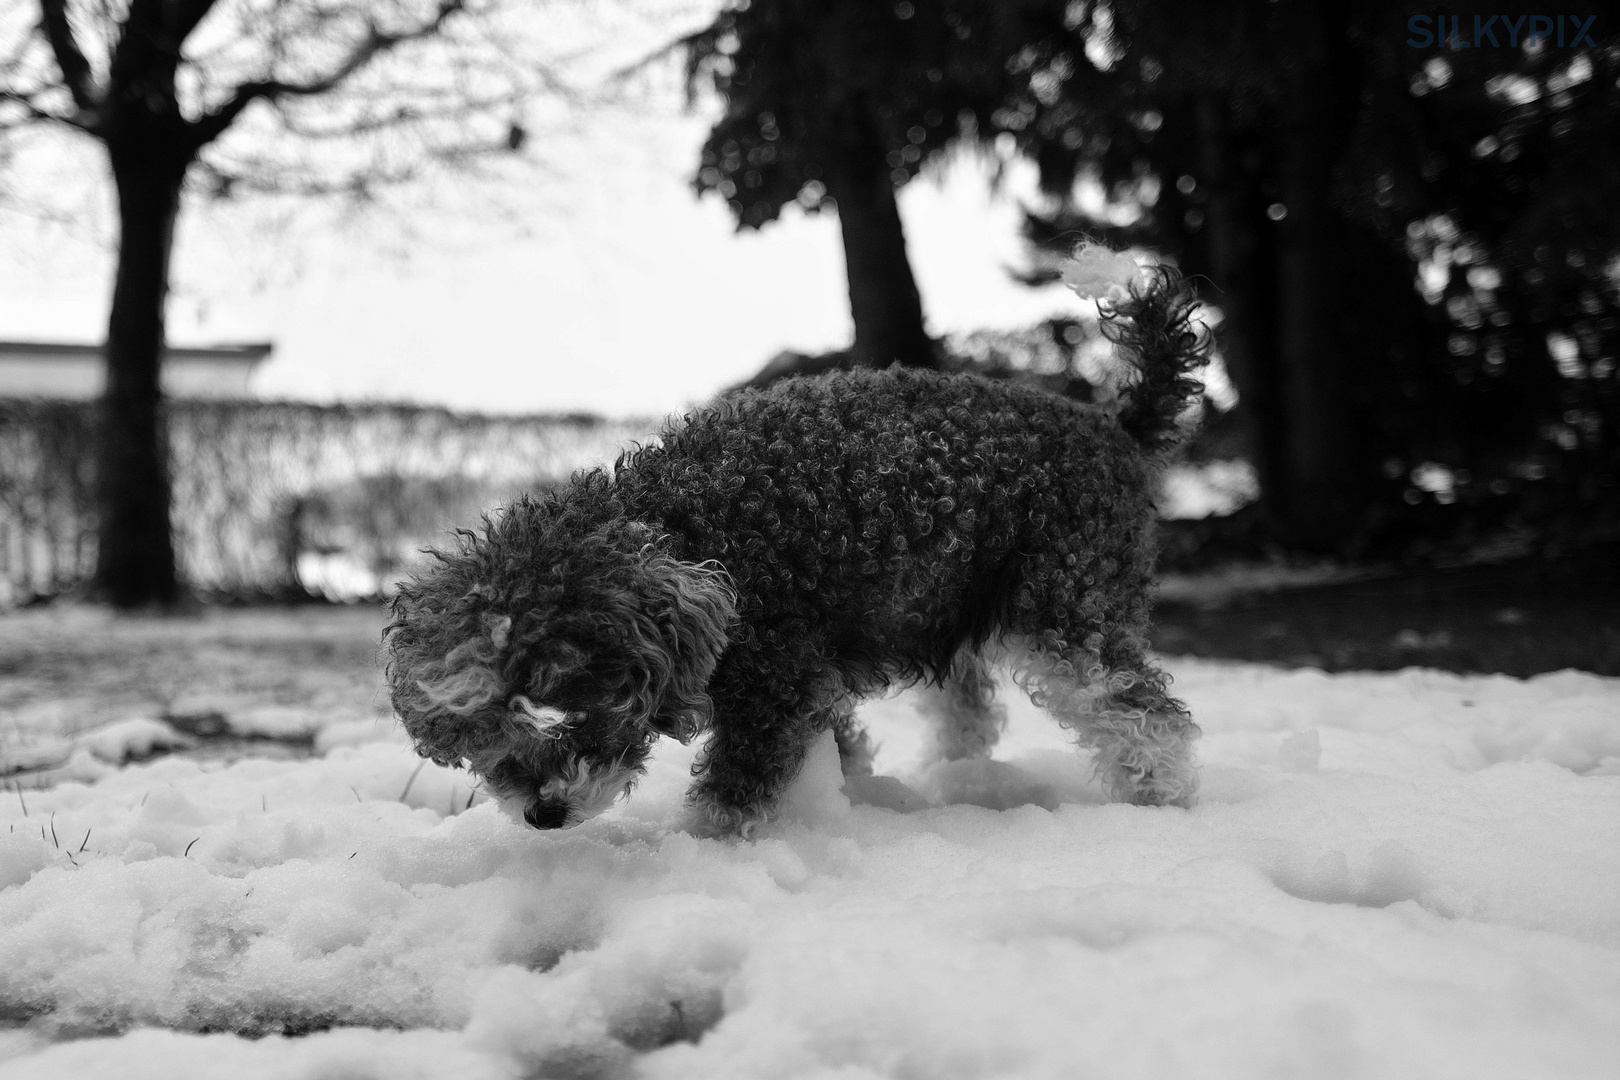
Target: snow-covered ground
(1407,875)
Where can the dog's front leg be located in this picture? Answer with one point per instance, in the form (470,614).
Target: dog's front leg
(763,726)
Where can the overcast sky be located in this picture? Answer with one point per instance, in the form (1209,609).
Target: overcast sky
(606,286)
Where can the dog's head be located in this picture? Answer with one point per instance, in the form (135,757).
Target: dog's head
(547,653)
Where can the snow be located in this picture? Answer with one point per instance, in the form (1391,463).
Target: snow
(129,739)
(132,738)
(1409,874)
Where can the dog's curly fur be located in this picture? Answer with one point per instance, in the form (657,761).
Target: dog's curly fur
(784,551)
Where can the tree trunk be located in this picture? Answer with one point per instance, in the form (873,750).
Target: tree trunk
(135,563)
(1320,496)
(883,297)
(1247,344)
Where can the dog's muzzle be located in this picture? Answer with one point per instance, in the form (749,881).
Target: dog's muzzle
(546,814)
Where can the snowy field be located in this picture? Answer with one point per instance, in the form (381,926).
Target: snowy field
(1404,875)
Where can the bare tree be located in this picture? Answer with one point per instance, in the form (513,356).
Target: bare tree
(220,97)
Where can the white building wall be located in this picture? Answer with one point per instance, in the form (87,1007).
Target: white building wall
(184,377)
(51,376)
(82,375)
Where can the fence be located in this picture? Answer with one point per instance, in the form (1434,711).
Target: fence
(274,494)
(270,496)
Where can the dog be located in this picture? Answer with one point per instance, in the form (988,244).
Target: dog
(782,552)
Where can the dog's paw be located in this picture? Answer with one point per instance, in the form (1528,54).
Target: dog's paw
(1162,787)
(711,821)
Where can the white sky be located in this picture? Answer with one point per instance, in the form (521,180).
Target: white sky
(606,286)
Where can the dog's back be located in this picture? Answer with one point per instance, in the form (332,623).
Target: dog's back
(892,504)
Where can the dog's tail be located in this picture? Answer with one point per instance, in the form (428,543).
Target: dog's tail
(1147,312)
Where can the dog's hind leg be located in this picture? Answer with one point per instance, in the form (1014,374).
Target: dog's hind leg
(968,719)
(1115,700)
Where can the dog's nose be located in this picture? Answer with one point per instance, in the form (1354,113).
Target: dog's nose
(547,815)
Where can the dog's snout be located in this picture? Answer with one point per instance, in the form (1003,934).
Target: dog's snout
(547,815)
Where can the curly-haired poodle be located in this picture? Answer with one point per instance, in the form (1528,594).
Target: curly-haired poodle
(782,552)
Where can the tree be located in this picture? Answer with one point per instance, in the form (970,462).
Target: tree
(220,97)
(1209,121)
(835,104)
(1314,164)
(1495,173)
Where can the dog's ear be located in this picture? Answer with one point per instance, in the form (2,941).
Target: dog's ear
(690,608)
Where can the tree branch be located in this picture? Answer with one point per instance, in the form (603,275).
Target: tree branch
(222,182)
(394,118)
(681,46)
(76,73)
(33,112)
(205,129)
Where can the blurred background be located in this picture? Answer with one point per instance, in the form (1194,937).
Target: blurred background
(289,287)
